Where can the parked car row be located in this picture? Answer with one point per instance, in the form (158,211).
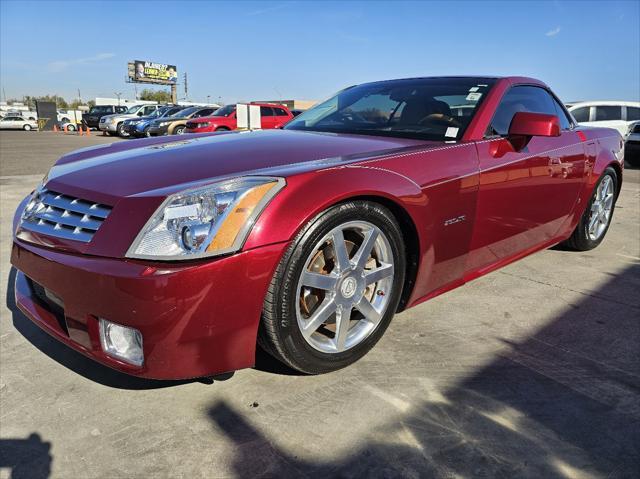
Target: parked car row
(157,120)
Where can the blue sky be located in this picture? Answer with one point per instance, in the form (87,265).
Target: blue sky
(307,50)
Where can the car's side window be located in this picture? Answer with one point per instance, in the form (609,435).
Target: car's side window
(633,113)
(266,111)
(608,112)
(565,122)
(280,112)
(520,98)
(581,114)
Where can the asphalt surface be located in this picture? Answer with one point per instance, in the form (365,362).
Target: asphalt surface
(531,371)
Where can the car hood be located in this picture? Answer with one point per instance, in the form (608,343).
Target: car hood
(161,166)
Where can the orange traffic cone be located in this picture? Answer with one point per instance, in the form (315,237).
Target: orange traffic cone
(88,130)
(55,128)
(65,127)
(80,131)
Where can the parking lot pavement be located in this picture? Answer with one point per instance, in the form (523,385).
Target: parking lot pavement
(531,371)
(34,152)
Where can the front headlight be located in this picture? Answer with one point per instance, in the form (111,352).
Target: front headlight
(164,123)
(206,221)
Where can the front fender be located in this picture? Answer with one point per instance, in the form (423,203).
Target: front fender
(307,195)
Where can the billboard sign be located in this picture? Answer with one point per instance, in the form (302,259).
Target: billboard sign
(151,72)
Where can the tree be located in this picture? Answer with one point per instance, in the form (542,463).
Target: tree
(60,102)
(161,96)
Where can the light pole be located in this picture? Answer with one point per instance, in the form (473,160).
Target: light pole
(118,94)
(208,99)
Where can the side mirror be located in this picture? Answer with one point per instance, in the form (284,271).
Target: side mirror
(525,125)
(140,113)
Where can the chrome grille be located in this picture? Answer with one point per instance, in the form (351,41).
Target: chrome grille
(64,216)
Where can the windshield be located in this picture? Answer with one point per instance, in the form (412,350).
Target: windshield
(186,111)
(133,109)
(424,108)
(171,111)
(225,110)
(158,112)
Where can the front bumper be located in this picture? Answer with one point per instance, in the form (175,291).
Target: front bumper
(157,130)
(112,127)
(196,320)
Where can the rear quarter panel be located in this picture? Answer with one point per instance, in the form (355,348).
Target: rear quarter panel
(604,147)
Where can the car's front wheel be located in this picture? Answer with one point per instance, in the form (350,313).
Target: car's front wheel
(179,130)
(336,288)
(121,131)
(595,221)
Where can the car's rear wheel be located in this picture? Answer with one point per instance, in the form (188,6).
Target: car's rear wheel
(222,128)
(71,127)
(596,219)
(179,130)
(336,288)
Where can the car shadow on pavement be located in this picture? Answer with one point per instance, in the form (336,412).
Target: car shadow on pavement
(71,359)
(563,402)
(28,458)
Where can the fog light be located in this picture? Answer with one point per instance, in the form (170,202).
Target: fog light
(121,342)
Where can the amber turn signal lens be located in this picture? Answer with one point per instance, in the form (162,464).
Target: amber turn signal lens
(236,219)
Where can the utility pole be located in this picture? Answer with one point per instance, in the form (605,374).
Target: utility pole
(186,87)
(79,97)
(118,94)
(208,101)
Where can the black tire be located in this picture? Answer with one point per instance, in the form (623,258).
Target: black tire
(27,128)
(223,128)
(580,239)
(120,131)
(179,130)
(279,333)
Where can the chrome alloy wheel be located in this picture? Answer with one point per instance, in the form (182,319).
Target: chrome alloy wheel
(601,209)
(345,287)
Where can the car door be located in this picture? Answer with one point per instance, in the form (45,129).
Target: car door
(281,117)
(267,118)
(525,196)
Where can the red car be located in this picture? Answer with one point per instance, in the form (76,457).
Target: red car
(224,119)
(175,258)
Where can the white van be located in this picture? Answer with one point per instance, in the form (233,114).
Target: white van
(612,114)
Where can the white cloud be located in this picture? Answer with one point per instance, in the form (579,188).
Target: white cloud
(272,8)
(61,65)
(553,33)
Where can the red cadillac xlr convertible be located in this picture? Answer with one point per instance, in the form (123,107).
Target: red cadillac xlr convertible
(175,258)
